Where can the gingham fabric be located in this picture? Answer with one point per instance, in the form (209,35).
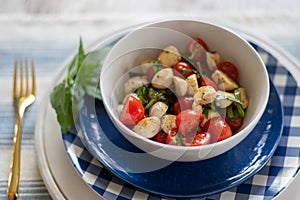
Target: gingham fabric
(266,184)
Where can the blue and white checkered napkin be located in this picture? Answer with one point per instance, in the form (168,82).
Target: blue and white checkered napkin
(266,184)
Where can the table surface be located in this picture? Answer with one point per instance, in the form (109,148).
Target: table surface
(48,34)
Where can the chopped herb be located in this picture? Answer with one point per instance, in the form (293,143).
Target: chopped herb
(142,93)
(199,69)
(190,56)
(185,71)
(206,111)
(164,95)
(224,97)
(240,109)
(230,112)
(156,66)
(208,107)
(213,106)
(220,81)
(239,105)
(237,94)
(178,139)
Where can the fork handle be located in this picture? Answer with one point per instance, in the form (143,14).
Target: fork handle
(14,176)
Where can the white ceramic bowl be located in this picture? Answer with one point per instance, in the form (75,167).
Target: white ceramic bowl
(145,42)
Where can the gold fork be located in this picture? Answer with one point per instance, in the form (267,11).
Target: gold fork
(24,95)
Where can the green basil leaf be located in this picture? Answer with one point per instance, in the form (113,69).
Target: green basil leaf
(88,75)
(77,92)
(230,113)
(239,105)
(72,70)
(237,94)
(206,111)
(142,93)
(81,55)
(240,109)
(178,139)
(61,101)
(67,98)
(156,66)
(223,97)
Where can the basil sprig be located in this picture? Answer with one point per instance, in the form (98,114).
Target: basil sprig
(82,79)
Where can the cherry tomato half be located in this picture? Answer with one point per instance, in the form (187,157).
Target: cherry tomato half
(160,137)
(182,103)
(132,112)
(201,138)
(193,45)
(234,123)
(184,69)
(188,121)
(218,128)
(229,69)
(206,81)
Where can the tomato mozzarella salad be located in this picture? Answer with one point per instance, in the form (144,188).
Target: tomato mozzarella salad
(189,98)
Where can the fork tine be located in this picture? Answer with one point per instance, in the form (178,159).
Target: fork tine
(21,78)
(26,78)
(33,78)
(21,71)
(15,94)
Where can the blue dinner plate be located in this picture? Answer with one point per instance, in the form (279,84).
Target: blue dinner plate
(181,179)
